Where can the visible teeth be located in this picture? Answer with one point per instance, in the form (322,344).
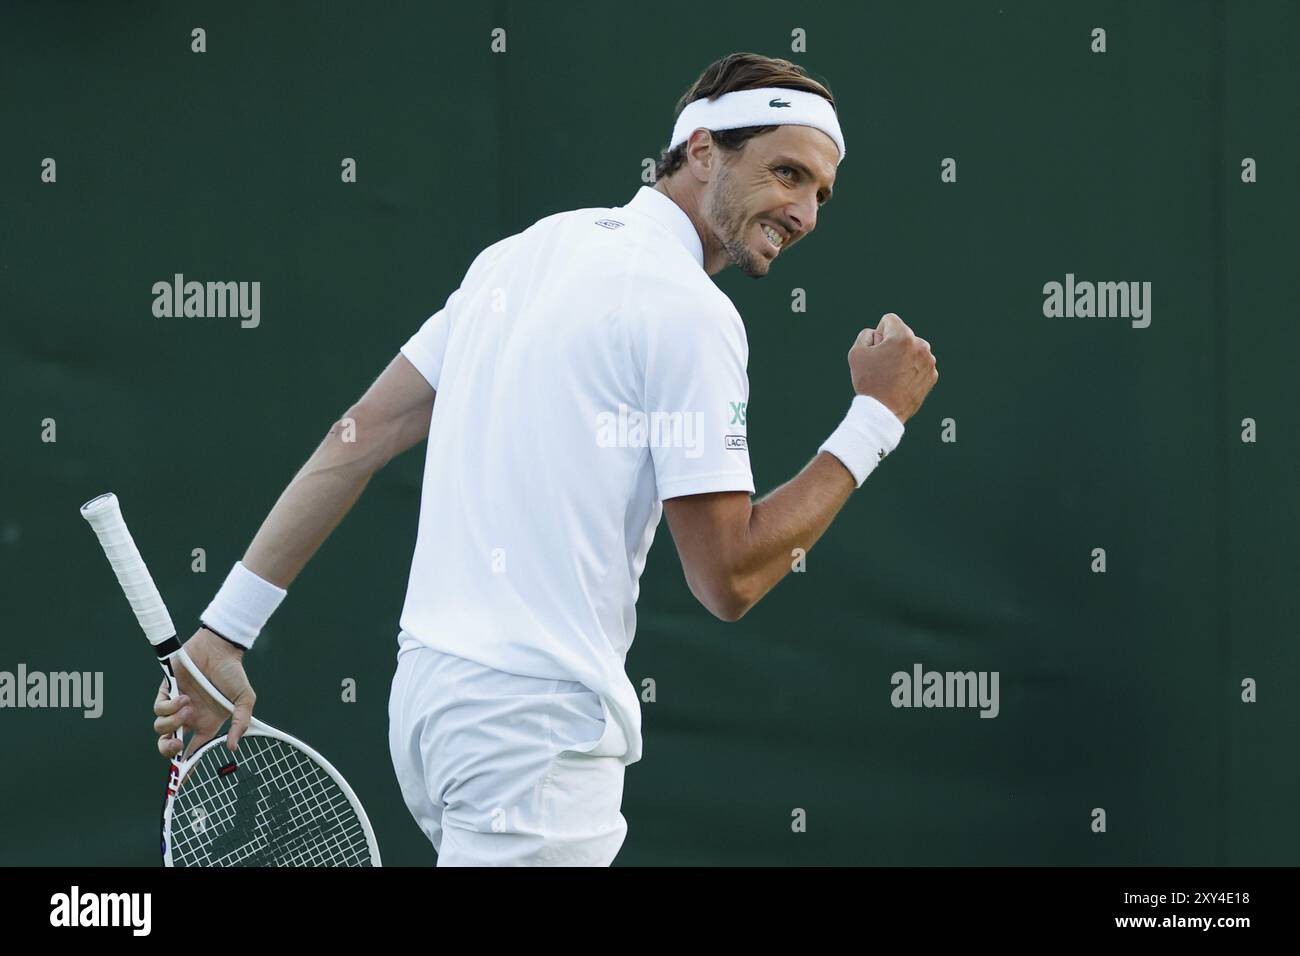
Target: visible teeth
(773,236)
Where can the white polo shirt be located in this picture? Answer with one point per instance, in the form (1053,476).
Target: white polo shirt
(586,369)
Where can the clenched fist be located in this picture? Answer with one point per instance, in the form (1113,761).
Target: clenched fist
(892,365)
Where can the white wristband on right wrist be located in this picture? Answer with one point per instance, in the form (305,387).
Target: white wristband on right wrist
(869,432)
(242,607)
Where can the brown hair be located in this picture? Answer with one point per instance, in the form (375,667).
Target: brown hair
(739,71)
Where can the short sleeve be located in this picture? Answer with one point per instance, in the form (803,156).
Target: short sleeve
(427,347)
(696,402)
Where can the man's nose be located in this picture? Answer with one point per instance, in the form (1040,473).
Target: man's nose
(804,216)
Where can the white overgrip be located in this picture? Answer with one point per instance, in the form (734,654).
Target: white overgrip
(105,517)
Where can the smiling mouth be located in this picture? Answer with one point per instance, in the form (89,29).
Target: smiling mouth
(775,247)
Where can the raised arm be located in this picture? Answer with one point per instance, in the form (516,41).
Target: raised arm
(734,551)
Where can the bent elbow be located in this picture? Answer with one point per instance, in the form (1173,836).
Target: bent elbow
(729,614)
(731,601)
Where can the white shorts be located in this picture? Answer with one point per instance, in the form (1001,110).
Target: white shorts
(484,764)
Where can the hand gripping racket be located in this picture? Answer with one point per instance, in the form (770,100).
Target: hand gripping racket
(274,801)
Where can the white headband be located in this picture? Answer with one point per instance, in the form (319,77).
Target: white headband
(770,106)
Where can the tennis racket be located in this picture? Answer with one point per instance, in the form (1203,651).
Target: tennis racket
(274,801)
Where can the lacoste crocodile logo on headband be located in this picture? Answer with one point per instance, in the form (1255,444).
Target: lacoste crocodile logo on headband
(777,102)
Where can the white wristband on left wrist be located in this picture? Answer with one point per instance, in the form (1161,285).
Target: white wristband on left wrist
(869,432)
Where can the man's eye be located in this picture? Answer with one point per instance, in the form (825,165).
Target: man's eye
(786,168)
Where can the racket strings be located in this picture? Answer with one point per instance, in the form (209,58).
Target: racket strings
(268,804)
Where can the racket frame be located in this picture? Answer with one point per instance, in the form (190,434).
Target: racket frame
(105,517)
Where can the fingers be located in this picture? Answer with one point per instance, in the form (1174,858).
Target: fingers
(172,714)
(223,666)
(179,714)
(866,339)
(927,357)
(890,326)
(206,724)
(163,703)
(194,709)
(169,710)
(240,719)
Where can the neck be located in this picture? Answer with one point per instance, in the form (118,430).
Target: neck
(688,200)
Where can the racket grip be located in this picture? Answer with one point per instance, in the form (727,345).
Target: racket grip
(105,517)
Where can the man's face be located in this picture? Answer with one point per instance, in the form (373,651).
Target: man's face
(778,179)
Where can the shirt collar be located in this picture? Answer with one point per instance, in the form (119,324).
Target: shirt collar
(663,210)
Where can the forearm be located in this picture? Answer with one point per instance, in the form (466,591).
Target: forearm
(315,501)
(794,516)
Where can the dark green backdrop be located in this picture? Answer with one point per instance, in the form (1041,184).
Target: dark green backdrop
(1119,690)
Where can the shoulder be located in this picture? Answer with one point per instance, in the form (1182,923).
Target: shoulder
(673,299)
(686,322)
(515,240)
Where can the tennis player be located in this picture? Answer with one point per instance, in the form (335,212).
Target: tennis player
(589,376)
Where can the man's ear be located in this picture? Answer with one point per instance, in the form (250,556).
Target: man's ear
(701,148)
